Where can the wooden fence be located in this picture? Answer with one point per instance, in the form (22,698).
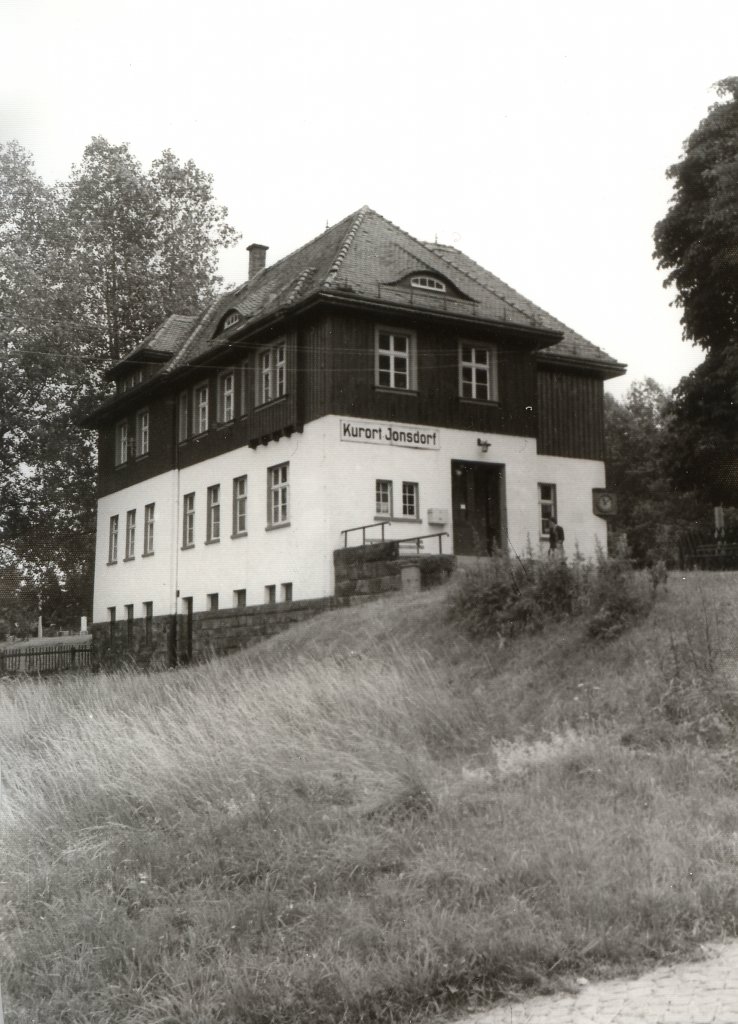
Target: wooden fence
(38,659)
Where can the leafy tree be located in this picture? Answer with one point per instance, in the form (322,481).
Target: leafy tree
(650,511)
(88,268)
(697,243)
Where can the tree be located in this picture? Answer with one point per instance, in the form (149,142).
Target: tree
(650,511)
(88,268)
(697,243)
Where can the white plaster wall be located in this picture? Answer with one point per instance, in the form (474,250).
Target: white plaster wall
(149,578)
(575,479)
(297,554)
(332,488)
(357,465)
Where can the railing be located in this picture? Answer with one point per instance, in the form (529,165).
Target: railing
(418,541)
(369,526)
(46,658)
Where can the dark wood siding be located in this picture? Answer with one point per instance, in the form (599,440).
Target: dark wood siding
(570,414)
(339,378)
(161,448)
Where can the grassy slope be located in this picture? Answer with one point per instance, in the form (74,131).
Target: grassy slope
(370,818)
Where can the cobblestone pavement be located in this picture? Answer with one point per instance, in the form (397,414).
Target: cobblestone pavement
(700,992)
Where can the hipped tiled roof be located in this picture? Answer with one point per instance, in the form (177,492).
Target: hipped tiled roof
(364,256)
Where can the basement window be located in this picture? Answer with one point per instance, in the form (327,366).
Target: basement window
(287,592)
(212,602)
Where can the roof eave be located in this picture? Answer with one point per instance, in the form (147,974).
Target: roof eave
(593,366)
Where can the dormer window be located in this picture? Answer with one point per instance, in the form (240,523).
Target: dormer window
(427,283)
(230,320)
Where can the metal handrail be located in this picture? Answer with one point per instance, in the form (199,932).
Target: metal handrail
(369,526)
(422,537)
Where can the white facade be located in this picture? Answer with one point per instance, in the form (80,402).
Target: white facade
(331,478)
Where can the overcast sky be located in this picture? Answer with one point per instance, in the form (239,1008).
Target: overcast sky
(533,135)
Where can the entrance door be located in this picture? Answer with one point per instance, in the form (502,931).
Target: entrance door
(476,497)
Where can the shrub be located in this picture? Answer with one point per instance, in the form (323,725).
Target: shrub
(506,596)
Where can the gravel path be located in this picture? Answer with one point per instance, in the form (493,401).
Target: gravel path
(700,992)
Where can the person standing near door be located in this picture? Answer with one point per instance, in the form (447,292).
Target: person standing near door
(555,539)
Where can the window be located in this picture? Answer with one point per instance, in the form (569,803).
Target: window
(478,372)
(271,377)
(243,400)
(394,360)
(410,500)
(111,621)
(149,529)
(129,624)
(130,534)
(201,409)
(239,598)
(212,602)
(239,506)
(278,508)
(132,380)
(113,540)
(431,284)
(121,443)
(226,384)
(547,507)
(286,591)
(148,620)
(188,520)
(230,320)
(213,526)
(142,433)
(384,497)
(183,409)
(270,594)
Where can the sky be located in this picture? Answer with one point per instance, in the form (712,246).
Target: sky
(534,136)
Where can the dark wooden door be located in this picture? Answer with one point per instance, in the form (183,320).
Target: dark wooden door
(476,497)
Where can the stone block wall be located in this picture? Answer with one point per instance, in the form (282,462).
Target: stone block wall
(366,572)
(362,574)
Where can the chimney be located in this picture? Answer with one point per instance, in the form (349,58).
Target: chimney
(257,258)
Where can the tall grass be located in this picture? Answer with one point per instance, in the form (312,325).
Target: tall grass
(368,818)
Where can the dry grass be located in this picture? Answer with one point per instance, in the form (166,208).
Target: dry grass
(370,818)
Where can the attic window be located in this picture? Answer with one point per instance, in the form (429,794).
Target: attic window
(430,284)
(230,320)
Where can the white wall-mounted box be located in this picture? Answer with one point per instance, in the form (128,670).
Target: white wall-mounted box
(437,516)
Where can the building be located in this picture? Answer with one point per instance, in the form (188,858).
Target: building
(366,377)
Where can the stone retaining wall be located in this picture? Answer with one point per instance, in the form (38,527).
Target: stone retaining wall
(376,569)
(362,574)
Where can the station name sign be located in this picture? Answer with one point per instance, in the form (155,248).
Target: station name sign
(401,435)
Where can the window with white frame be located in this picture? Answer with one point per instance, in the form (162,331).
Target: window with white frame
(121,443)
(183,416)
(431,284)
(188,520)
(226,387)
(478,372)
(213,513)
(278,509)
(240,521)
(148,547)
(383,497)
(271,373)
(547,507)
(201,409)
(243,386)
(130,533)
(409,499)
(113,540)
(142,433)
(394,360)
